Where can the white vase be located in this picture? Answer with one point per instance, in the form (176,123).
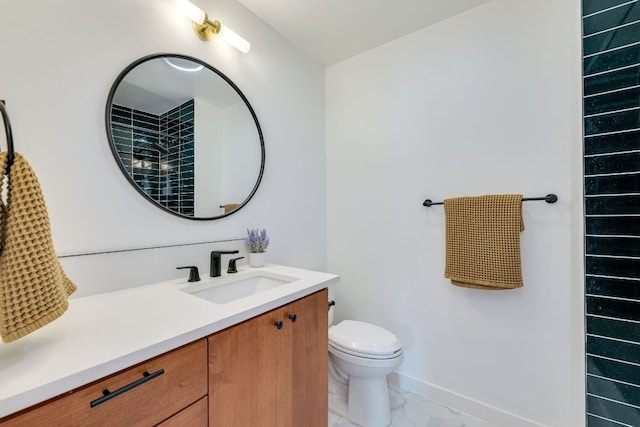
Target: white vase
(257,259)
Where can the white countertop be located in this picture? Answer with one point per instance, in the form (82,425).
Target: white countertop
(103,334)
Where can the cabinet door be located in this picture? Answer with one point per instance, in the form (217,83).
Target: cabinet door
(245,366)
(308,390)
(262,375)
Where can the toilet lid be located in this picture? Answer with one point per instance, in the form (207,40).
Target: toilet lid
(364,338)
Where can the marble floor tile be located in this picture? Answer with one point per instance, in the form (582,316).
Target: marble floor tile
(407,410)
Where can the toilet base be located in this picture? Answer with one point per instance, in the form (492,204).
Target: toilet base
(368,401)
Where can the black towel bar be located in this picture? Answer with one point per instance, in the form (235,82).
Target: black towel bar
(7,131)
(549,198)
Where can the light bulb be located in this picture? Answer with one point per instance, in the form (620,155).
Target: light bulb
(188,10)
(234,39)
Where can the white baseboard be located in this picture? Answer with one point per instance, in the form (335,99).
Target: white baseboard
(458,402)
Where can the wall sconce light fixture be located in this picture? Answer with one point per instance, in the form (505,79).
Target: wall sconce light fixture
(207,29)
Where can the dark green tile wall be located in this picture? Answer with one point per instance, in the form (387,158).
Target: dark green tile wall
(158,152)
(611,70)
(178,126)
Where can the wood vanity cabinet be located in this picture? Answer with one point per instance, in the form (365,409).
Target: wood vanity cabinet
(271,370)
(165,385)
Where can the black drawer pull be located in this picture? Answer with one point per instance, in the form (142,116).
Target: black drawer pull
(111,394)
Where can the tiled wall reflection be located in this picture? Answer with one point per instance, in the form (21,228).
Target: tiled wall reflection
(157,152)
(611,69)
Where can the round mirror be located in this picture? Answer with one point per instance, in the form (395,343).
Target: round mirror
(185,136)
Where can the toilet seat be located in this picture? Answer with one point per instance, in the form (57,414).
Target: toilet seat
(365,340)
(337,349)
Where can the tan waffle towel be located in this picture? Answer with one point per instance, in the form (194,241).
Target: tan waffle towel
(230,206)
(33,287)
(483,241)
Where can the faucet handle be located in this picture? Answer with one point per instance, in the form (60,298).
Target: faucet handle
(194,276)
(216,258)
(224,252)
(232,265)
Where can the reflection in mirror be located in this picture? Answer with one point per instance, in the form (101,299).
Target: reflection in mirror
(185,136)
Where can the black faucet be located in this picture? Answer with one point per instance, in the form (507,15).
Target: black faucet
(232,265)
(216,256)
(193,273)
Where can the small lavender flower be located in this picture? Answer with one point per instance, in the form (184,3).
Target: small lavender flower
(257,240)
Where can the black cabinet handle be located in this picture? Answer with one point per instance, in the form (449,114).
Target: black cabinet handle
(278,324)
(293,317)
(111,394)
(331,304)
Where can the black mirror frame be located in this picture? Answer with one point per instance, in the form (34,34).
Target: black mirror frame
(114,151)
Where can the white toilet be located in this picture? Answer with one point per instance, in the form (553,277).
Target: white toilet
(365,354)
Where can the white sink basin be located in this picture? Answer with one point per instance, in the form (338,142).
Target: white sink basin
(234,288)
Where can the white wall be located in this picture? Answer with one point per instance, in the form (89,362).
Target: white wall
(241,171)
(485,102)
(58,62)
(208,132)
